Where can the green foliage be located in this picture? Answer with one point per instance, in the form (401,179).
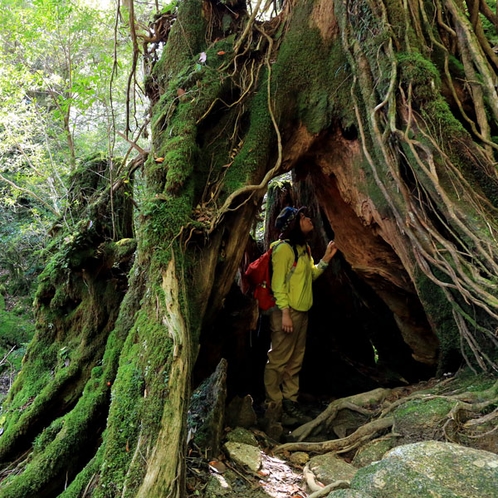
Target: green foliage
(490,29)
(55,102)
(15,330)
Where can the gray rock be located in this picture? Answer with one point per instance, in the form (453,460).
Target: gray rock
(240,412)
(241,435)
(299,458)
(373,451)
(347,421)
(430,468)
(416,420)
(217,487)
(328,468)
(206,414)
(244,455)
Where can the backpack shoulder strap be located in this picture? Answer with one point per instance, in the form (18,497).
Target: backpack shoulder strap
(294,248)
(296,257)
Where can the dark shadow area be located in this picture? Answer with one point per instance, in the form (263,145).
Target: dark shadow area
(353,343)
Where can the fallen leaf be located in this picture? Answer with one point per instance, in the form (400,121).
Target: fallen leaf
(217,466)
(221,52)
(159,159)
(180,92)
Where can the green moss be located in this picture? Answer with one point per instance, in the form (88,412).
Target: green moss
(420,73)
(190,25)
(401,24)
(440,118)
(258,141)
(163,222)
(80,484)
(179,159)
(55,447)
(75,314)
(175,125)
(139,392)
(47,436)
(440,315)
(420,411)
(311,75)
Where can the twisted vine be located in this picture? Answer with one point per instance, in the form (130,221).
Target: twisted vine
(462,260)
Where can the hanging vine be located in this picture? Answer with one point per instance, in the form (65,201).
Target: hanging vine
(432,196)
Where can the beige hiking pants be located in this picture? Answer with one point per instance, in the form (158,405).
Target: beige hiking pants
(285,357)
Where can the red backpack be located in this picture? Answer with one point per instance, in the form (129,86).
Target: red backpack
(258,275)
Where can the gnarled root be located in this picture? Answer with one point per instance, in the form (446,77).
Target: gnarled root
(317,490)
(357,402)
(362,434)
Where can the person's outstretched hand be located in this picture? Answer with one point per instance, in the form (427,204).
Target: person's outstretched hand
(329,252)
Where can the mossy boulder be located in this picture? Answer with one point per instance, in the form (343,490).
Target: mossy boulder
(373,451)
(349,493)
(429,468)
(329,468)
(421,418)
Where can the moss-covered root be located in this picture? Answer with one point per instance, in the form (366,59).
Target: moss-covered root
(58,452)
(142,449)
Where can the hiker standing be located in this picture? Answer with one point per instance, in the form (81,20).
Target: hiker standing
(293,273)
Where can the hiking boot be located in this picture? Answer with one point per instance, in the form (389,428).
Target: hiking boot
(288,420)
(292,411)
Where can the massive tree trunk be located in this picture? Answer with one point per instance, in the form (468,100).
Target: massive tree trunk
(386,112)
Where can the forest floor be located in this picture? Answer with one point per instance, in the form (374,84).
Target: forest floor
(6,379)
(283,471)
(276,478)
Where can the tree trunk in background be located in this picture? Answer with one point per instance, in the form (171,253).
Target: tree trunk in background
(387,112)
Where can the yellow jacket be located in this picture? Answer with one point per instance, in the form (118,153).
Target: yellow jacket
(292,287)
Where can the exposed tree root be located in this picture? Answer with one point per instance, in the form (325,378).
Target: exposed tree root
(357,403)
(320,490)
(376,406)
(364,433)
(329,488)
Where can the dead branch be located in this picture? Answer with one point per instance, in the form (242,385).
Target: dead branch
(4,359)
(483,420)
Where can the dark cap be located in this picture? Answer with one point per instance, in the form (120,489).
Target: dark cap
(286,217)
